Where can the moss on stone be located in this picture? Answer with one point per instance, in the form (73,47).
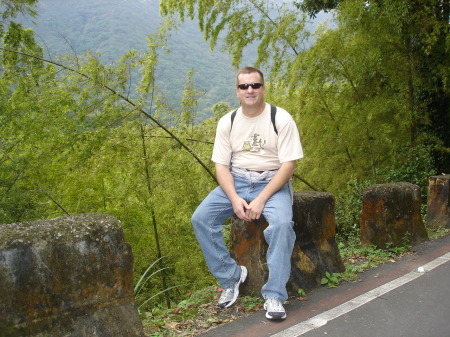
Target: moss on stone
(58,230)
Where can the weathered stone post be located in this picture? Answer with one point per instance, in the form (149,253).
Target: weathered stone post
(315,250)
(391,215)
(438,203)
(69,276)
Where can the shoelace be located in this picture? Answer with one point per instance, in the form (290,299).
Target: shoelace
(225,293)
(274,305)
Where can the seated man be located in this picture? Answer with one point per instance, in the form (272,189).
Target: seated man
(254,155)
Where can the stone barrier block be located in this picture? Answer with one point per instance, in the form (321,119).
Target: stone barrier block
(69,276)
(391,216)
(248,247)
(315,251)
(438,203)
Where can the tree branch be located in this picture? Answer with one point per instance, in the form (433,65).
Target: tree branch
(126,99)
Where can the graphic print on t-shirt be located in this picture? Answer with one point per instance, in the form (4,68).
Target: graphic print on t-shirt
(254,143)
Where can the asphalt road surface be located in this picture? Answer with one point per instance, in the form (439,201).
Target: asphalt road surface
(406,298)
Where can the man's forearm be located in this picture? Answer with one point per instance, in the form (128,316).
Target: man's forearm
(226,181)
(283,175)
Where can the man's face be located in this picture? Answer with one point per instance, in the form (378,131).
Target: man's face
(250,97)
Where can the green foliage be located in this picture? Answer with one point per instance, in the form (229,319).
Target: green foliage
(357,92)
(331,280)
(198,310)
(313,7)
(83,135)
(72,142)
(348,209)
(158,320)
(279,30)
(198,297)
(112,28)
(438,232)
(358,258)
(143,300)
(251,303)
(10,9)
(301,292)
(414,165)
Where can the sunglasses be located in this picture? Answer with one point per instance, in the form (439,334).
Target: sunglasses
(253,85)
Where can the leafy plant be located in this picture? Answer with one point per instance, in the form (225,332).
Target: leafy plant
(348,209)
(301,292)
(331,280)
(357,258)
(198,297)
(438,232)
(251,303)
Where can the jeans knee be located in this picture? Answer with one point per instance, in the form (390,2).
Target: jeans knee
(200,220)
(282,227)
(289,229)
(281,231)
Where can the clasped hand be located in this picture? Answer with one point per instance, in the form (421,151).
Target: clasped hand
(248,212)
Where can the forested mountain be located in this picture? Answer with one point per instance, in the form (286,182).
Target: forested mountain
(113,27)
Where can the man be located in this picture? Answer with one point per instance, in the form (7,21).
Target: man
(254,160)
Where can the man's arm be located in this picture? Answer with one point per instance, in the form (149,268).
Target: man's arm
(226,182)
(283,175)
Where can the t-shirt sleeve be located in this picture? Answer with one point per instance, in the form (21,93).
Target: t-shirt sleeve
(222,146)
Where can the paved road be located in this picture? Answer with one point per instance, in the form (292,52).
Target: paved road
(392,300)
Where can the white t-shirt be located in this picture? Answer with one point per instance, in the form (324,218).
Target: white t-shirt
(253,144)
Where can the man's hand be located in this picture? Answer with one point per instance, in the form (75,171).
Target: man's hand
(252,211)
(226,181)
(255,209)
(240,208)
(283,175)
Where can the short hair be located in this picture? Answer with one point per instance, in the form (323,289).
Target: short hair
(248,70)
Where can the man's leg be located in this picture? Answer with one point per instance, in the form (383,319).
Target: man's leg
(207,220)
(280,237)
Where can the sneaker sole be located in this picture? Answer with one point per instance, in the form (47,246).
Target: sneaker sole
(277,317)
(242,279)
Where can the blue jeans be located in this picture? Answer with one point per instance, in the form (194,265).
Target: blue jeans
(216,208)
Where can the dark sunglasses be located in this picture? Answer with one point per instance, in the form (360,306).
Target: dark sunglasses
(253,85)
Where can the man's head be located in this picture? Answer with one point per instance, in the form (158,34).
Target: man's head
(249,70)
(250,90)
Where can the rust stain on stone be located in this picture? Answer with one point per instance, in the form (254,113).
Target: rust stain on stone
(391,215)
(303,262)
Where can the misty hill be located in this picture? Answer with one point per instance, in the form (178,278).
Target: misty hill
(113,27)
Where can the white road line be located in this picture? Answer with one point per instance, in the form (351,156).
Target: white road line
(323,318)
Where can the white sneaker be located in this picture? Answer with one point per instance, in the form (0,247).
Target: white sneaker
(230,295)
(274,309)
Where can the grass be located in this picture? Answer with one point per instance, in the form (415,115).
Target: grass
(196,314)
(358,258)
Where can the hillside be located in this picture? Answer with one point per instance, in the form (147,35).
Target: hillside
(113,27)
